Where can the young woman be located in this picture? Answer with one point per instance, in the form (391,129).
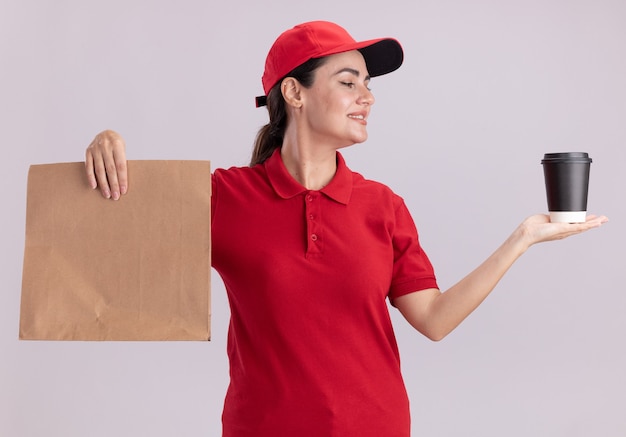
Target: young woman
(309,251)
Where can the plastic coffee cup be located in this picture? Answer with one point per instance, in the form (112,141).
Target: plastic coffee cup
(567,185)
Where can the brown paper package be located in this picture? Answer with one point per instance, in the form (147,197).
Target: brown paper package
(133,269)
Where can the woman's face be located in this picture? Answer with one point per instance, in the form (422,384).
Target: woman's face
(337,105)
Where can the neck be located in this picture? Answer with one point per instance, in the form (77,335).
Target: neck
(313,169)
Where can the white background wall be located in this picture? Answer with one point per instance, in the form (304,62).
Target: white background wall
(487,87)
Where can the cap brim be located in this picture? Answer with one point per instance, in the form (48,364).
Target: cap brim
(383,56)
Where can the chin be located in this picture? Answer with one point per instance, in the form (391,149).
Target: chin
(358,139)
(352,143)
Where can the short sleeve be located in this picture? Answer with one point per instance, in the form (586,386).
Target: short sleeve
(412,270)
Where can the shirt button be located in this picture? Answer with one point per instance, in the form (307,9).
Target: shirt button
(311,216)
(309,198)
(313,237)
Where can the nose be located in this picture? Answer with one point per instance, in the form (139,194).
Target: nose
(366,96)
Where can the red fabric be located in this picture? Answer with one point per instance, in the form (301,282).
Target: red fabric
(311,347)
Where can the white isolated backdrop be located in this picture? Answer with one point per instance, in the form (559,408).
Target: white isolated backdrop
(459,131)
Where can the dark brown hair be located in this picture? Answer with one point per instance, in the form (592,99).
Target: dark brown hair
(271,135)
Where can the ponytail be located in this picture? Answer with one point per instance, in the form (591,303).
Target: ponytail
(270,137)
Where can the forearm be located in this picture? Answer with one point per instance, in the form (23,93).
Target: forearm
(436,314)
(450,308)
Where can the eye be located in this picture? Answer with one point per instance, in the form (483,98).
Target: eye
(352,85)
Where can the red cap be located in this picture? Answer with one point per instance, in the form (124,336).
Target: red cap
(316,39)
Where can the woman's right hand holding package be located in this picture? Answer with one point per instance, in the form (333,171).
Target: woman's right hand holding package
(105,164)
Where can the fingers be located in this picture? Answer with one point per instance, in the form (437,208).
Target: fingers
(89,169)
(594,221)
(105,165)
(597,220)
(591,222)
(564,230)
(121,170)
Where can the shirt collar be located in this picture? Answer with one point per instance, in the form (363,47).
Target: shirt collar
(339,188)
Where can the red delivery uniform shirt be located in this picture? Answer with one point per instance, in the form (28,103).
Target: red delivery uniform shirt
(311,346)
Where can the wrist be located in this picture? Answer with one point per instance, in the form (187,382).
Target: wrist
(520,240)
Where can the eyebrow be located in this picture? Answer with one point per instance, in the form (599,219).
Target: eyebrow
(353,71)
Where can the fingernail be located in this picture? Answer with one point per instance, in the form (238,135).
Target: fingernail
(116,195)
(123,189)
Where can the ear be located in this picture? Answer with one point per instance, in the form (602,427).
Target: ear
(290,88)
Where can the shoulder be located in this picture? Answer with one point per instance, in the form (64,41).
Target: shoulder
(238,184)
(374,190)
(235,171)
(238,175)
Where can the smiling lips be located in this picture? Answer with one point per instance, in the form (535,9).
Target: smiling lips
(358,117)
